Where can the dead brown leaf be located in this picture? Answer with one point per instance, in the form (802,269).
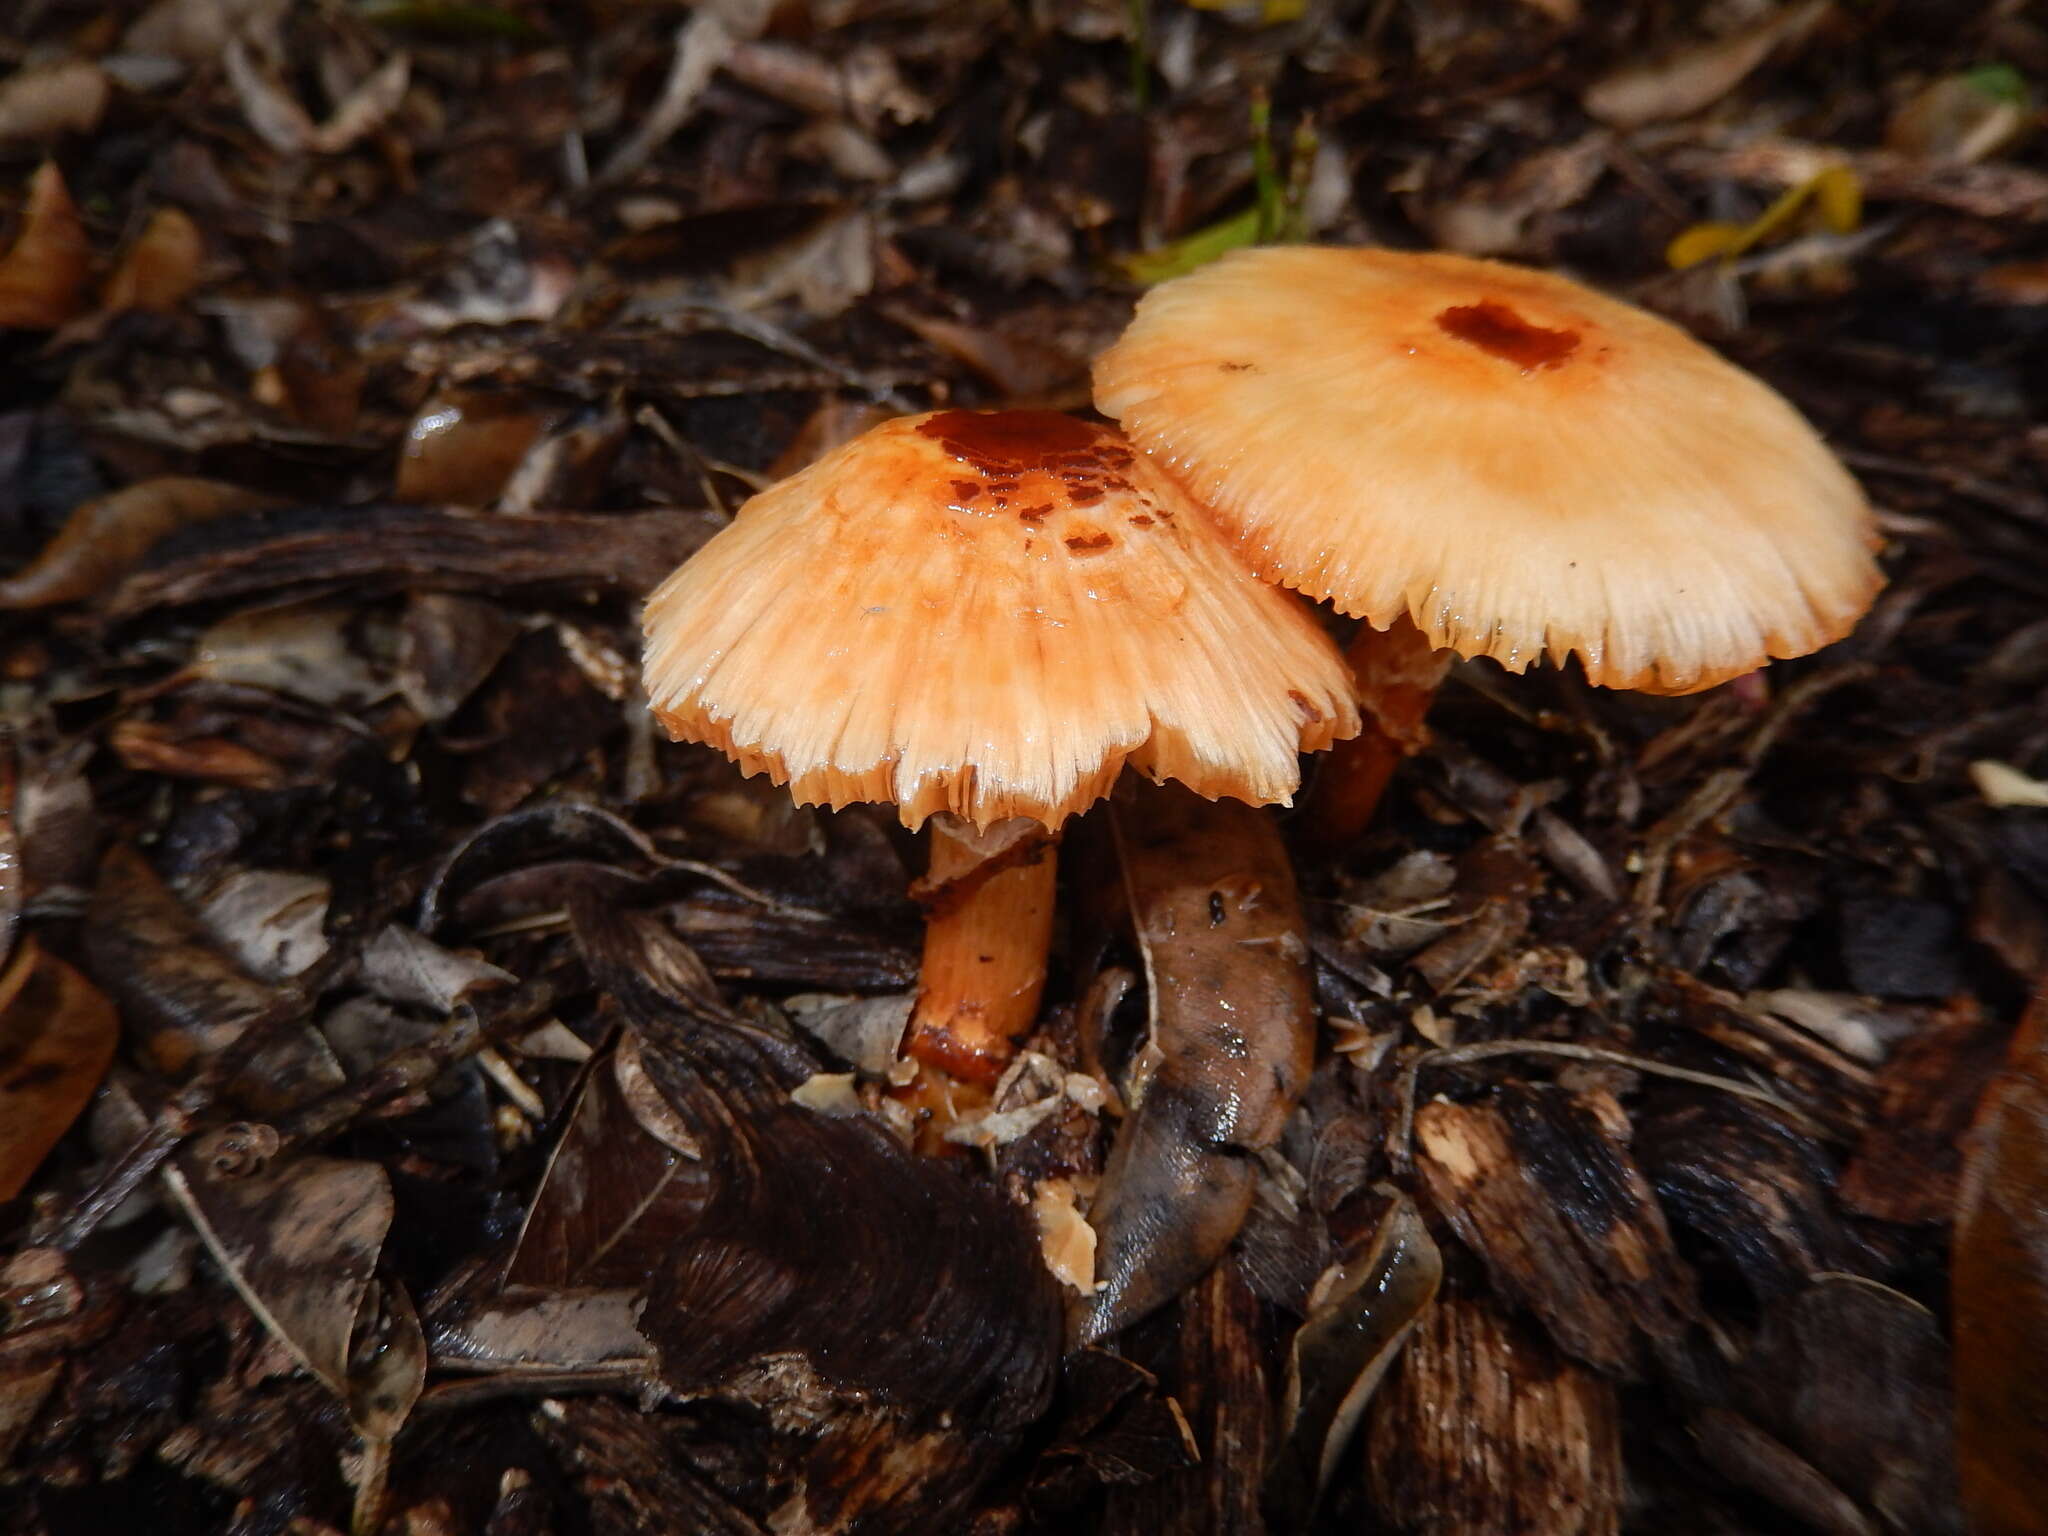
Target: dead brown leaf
(104,538)
(42,277)
(2000,1294)
(161,269)
(57,1036)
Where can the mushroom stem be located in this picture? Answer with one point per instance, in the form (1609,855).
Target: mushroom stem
(989,904)
(1397,672)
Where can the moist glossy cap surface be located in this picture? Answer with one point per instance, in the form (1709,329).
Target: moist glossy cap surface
(1522,466)
(989,615)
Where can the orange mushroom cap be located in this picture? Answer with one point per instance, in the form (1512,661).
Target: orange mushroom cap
(989,615)
(1520,465)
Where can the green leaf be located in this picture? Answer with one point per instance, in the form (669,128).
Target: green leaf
(1196,250)
(1998,82)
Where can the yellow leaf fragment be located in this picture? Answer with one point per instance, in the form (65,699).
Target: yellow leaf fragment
(1836,197)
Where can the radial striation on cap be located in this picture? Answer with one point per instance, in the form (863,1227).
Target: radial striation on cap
(1520,465)
(989,615)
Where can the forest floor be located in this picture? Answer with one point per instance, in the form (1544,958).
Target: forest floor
(397,1037)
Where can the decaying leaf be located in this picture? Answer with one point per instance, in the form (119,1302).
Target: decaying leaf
(1361,1312)
(2000,1293)
(300,1242)
(43,275)
(104,538)
(447,646)
(57,1037)
(271,922)
(463,446)
(49,100)
(181,1000)
(1850,1380)
(161,269)
(45,1316)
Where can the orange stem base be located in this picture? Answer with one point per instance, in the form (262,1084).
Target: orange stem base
(1398,672)
(985,948)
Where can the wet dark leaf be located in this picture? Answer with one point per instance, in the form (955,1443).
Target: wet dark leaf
(1362,1311)
(300,1240)
(180,999)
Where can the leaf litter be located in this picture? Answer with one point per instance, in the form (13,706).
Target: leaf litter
(429,1102)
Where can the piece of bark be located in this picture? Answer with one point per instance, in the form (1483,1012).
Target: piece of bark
(1218,1378)
(1546,1192)
(1485,1429)
(629,1472)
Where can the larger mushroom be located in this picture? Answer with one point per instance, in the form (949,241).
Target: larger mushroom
(984,618)
(1484,459)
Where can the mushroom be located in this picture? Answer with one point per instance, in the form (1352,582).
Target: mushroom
(984,618)
(1484,459)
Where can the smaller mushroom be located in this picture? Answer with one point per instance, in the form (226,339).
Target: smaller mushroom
(1484,459)
(984,618)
